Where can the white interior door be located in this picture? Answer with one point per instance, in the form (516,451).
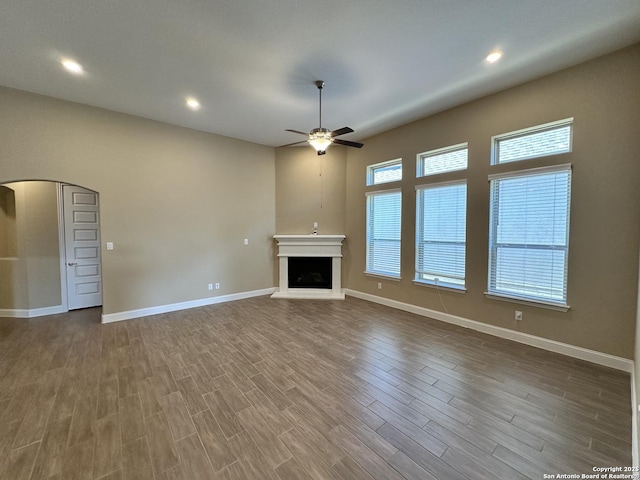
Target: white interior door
(82,247)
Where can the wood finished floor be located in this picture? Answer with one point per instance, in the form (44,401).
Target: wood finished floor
(280,389)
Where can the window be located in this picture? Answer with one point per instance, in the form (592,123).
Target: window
(441,228)
(385,172)
(529,235)
(383,232)
(384,211)
(443,160)
(548,139)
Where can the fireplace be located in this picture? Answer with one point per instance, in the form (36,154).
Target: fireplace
(310,266)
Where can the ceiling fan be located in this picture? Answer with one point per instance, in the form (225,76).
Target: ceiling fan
(321,138)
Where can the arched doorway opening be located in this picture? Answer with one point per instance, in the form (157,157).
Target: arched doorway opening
(49,248)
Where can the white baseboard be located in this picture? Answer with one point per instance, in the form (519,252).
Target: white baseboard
(31,313)
(14,313)
(173,307)
(593,356)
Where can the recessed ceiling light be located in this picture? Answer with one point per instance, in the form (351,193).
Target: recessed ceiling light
(494,56)
(72,66)
(193,103)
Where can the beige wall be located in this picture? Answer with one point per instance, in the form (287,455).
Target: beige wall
(30,279)
(310,188)
(8,249)
(604,99)
(42,244)
(14,293)
(177,203)
(8,235)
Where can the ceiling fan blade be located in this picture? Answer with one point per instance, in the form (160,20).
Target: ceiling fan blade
(348,143)
(341,131)
(306,134)
(294,143)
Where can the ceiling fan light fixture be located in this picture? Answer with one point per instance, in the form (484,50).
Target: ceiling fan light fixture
(320,139)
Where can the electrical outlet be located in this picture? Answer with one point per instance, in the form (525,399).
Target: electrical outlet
(518,315)
(379,286)
(246,241)
(217,286)
(211,286)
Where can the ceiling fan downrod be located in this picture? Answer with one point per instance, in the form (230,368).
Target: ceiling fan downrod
(320,84)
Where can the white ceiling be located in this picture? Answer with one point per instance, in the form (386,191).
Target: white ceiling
(252,64)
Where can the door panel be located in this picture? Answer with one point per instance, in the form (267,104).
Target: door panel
(82,245)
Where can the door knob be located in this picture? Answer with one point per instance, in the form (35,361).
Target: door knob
(71,264)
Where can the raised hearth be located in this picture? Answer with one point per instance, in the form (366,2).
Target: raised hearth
(307,284)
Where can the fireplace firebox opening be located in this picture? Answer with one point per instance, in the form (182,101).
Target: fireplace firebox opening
(310,272)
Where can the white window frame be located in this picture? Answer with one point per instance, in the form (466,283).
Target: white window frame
(420,158)
(523,298)
(369,269)
(496,139)
(419,224)
(372,168)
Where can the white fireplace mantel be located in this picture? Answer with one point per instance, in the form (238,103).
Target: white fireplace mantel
(310,246)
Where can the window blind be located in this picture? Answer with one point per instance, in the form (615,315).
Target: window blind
(383,232)
(441,228)
(549,139)
(385,172)
(529,234)
(443,160)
